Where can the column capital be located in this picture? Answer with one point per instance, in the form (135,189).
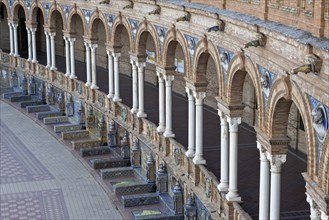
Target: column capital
(262,152)
(87,44)
(223,117)
(199,96)
(52,34)
(116,55)
(276,161)
(15,25)
(93,46)
(109,53)
(47,33)
(141,65)
(72,39)
(189,92)
(234,123)
(33,30)
(160,76)
(168,78)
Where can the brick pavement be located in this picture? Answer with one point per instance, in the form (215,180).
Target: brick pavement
(41,179)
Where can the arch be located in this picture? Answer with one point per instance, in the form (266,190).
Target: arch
(205,50)
(33,12)
(7,8)
(119,23)
(94,21)
(324,166)
(15,9)
(238,69)
(144,30)
(174,37)
(284,92)
(52,11)
(79,12)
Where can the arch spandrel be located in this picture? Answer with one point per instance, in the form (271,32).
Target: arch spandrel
(238,68)
(116,32)
(208,48)
(33,12)
(51,20)
(15,9)
(147,27)
(174,35)
(79,12)
(98,15)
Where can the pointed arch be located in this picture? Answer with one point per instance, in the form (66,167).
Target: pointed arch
(76,10)
(118,24)
(174,37)
(5,3)
(15,9)
(94,21)
(33,12)
(144,30)
(51,15)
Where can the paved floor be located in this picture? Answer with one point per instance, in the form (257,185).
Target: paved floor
(41,179)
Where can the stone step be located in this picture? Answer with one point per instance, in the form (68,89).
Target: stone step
(8,95)
(6,90)
(135,188)
(79,144)
(38,108)
(110,163)
(20,98)
(64,128)
(74,135)
(42,115)
(162,216)
(140,199)
(30,103)
(94,151)
(116,172)
(56,120)
(167,200)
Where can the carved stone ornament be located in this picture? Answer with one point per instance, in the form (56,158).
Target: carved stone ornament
(314,64)
(276,161)
(208,187)
(320,122)
(177,156)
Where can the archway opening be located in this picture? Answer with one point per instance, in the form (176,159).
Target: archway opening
(4,35)
(19,16)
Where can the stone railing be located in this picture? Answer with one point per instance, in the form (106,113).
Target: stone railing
(196,178)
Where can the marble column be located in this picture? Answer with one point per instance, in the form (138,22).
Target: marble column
(264,184)
(135,87)
(67,56)
(11,36)
(141,67)
(116,97)
(29,44)
(276,162)
(48,48)
(15,25)
(87,45)
(72,58)
(93,66)
(232,194)
(191,124)
(224,158)
(111,76)
(161,128)
(314,209)
(34,45)
(198,158)
(52,45)
(168,131)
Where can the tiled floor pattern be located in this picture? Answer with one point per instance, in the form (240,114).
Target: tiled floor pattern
(41,178)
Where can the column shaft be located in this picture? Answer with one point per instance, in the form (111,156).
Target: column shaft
(141,68)
(116,78)
(15,25)
(67,57)
(111,77)
(53,55)
(88,83)
(93,66)
(73,76)
(11,36)
(48,50)
(224,156)
(161,127)
(135,87)
(264,184)
(191,124)
(34,45)
(29,44)
(168,132)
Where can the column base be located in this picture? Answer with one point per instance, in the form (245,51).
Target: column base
(48,66)
(67,74)
(109,96)
(117,99)
(88,84)
(16,55)
(141,115)
(233,197)
(190,154)
(134,110)
(29,60)
(161,129)
(223,187)
(168,134)
(198,160)
(74,77)
(34,61)
(94,87)
(53,68)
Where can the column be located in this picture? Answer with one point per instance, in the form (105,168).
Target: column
(52,46)
(161,128)
(224,159)
(191,124)
(168,132)
(48,49)
(135,87)
(264,184)
(29,44)
(88,83)
(314,209)
(116,78)
(324,216)
(141,68)
(93,66)
(15,25)
(11,38)
(67,56)
(34,45)
(72,58)
(276,162)
(198,158)
(232,194)
(111,76)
